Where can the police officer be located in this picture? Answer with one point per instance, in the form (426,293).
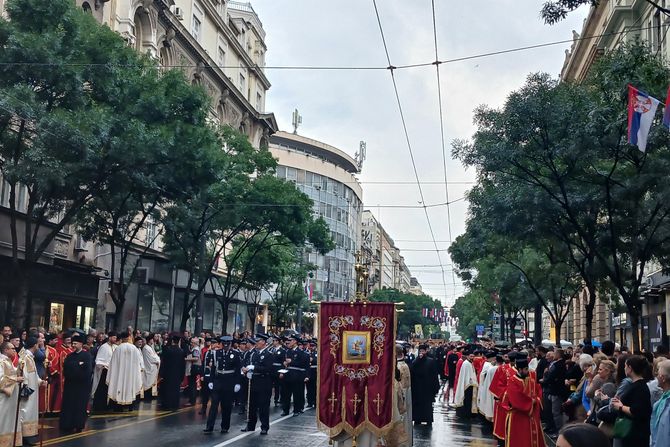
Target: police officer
(312,374)
(297,363)
(225,382)
(246,347)
(260,371)
(211,345)
(279,355)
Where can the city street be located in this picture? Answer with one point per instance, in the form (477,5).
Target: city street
(150,427)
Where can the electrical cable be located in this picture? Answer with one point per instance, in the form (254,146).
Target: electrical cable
(404,126)
(441,113)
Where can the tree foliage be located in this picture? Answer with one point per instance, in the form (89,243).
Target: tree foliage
(412,310)
(562,150)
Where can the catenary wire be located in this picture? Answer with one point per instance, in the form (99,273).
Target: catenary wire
(441,115)
(351,67)
(404,126)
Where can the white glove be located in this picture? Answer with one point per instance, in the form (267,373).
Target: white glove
(210,385)
(250,367)
(237,388)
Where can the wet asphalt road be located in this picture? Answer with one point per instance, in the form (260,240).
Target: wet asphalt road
(151,427)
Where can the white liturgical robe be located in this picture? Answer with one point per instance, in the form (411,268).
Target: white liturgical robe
(466,379)
(124,377)
(102,359)
(484,396)
(152,363)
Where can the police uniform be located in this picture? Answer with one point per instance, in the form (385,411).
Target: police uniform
(207,376)
(261,369)
(295,379)
(312,375)
(244,384)
(225,376)
(279,355)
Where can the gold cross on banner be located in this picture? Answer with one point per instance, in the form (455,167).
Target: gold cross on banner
(332,401)
(378,401)
(355,401)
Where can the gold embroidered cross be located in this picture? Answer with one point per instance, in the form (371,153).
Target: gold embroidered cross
(332,401)
(378,401)
(355,401)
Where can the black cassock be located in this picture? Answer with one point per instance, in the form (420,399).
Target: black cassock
(425,386)
(77,373)
(452,360)
(173,367)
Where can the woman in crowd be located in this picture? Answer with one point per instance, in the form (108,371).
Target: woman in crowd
(634,404)
(581,435)
(604,374)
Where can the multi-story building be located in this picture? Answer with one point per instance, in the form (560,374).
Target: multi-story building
(328,176)
(220,45)
(414,286)
(614,22)
(388,269)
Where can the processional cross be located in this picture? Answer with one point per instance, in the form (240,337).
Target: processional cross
(333,401)
(356,401)
(378,401)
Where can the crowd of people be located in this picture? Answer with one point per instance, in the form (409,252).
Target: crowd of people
(582,396)
(72,374)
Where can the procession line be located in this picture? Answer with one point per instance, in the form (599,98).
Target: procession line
(244,435)
(86,433)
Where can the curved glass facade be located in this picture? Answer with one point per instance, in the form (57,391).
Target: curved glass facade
(341,208)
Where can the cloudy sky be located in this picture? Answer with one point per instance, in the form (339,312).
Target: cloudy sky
(342,108)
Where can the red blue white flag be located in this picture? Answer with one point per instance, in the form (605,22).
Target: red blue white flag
(666,111)
(641,111)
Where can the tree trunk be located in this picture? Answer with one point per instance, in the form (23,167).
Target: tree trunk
(635,327)
(185,310)
(224,319)
(537,331)
(589,308)
(558,325)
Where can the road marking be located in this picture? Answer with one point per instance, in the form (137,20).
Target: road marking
(86,433)
(244,435)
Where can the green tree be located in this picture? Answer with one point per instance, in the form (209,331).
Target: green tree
(565,145)
(76,104)
(411,312)
(234,219)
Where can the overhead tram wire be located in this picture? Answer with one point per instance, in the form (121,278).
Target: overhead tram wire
(439,102)
(344,67)
(409,144)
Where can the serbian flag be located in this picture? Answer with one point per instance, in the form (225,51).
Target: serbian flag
(309,289)
(666,111)
(641,111)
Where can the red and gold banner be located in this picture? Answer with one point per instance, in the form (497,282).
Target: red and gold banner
(356,367)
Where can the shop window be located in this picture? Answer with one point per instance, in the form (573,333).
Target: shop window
(208,313)
(160,310)
(178,309)
(144,300)
(56,314)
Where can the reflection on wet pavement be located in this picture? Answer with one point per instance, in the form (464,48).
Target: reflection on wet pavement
(150,427)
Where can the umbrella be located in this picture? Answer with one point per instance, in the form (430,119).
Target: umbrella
(596,344)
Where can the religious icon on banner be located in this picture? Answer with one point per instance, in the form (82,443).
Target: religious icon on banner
(356,368)
(356,347)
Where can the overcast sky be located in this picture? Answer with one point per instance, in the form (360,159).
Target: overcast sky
(342,108)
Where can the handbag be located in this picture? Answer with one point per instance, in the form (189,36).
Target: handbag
(25,392)
(622,427)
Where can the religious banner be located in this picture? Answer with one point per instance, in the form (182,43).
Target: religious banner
(356,367)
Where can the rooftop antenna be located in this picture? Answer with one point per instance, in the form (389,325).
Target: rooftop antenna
(361,155)
(297,121)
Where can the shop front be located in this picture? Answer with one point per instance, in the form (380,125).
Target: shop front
(621,329)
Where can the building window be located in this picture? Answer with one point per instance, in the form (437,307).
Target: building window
(151,232)
(259,102)
(87,8)
(243,82)
(196,28)
(221,58)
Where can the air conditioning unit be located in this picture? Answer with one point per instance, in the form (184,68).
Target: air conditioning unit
(141,275)
(80,244)
(178,12)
